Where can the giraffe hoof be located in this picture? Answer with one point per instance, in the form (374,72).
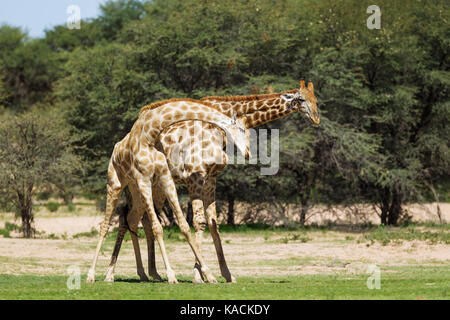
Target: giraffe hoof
(91,277)
(156,277)
(171,277)
(229,278)
(197,281)
(109,279)
(90,280)
(212,280)
(143,278)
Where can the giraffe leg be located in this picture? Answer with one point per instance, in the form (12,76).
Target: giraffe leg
(210,203)
(195,186)
(150,248)
(162,215)
(158,200)
(168,186)
(137,253)
(145,190)
(120,234)
(113,191)
(133,218)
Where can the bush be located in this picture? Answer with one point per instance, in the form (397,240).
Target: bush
(45,195)
(71,207)
(52,206)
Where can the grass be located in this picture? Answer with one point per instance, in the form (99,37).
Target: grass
(398,283)
(9,227)
(386,235)
(44,278)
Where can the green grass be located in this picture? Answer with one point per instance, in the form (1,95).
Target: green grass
(5,232)
(89,234)
(427,282)
(386,235)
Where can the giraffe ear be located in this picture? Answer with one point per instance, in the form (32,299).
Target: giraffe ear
(302,84)
(310,86)
(287,97)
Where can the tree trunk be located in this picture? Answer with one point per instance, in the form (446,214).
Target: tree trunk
(26,213)
(304,184)
(68,197)
(305,206)
(395,210)
(386,199)
(230,218)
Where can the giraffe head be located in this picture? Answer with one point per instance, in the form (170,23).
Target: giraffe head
(304,101)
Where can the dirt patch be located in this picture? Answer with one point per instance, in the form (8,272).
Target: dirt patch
(247,254)
(258,257)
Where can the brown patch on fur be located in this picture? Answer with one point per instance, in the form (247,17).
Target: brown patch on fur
(160,103)
(247,98)
(205,143)
(168,139)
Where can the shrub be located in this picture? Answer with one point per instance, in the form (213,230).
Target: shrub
(52,206)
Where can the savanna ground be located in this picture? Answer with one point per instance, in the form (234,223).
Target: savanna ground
(317,262)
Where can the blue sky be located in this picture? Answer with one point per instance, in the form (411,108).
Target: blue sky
(37,15)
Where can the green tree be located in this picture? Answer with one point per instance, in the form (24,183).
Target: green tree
(29,68)
(35,150)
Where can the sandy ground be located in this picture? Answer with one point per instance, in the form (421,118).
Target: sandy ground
(325,253)
(247,255)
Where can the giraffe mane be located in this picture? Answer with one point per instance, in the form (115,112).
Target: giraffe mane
(160,103)
(247,98)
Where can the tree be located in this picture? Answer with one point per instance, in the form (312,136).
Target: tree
(35,150)
(28,67)
(116,14)
(383,94)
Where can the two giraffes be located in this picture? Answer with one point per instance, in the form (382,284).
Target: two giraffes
(164,148)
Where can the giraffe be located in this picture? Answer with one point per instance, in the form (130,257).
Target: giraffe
(136,163)
(200,177)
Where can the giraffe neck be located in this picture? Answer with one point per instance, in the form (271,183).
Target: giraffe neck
(157,119)
(256,111)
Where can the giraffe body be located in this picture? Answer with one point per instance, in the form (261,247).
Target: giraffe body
(206,143)
(136,163)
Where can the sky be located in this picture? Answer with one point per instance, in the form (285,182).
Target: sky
(37,15)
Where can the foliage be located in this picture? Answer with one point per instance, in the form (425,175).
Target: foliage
(35,150)
(383,94)
(52,206)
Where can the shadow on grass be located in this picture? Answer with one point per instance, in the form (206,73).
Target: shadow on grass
(278,281)
(133,280)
